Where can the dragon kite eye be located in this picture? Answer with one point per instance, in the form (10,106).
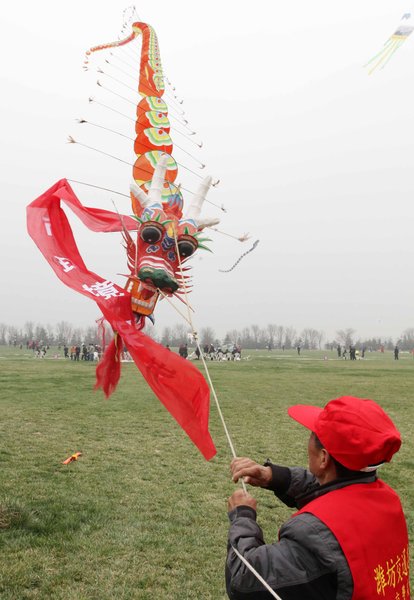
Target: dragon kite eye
(151,234)
(187,247)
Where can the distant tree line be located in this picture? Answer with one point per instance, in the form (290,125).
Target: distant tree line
(52,335)
(348,337)
(270,337)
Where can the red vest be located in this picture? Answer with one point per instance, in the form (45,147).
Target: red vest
(369,524)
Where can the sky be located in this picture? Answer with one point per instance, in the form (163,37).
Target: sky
(314,156)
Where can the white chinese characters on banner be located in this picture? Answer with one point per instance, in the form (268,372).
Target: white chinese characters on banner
(65,263)
(47,226)
(105,289)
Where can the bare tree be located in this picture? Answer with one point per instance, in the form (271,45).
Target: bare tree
(50,334)
(40,334)
(29,330)
(310,338)
(78,335)
(345,336)
(271,335)
(246,338)
(263,341)
(91,335)
(280,331)
(3,332)
(64,332)
(207,335)
(13,334)
(179,334)
(319,337)
(166,337)
(290,334)
(151,332)
(255,329)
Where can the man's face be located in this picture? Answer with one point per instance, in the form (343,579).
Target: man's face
(314,456)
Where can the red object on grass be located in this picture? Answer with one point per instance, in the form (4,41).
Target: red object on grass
(72,458)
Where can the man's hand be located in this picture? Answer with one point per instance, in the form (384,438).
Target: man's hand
(241,498)
(252,473)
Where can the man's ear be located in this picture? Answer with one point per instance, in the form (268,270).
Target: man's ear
(325,459)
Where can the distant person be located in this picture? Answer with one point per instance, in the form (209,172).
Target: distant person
(298,349)
(338,349)
(363,352)
(66,351)
(396,353)
(197,353)
(183,350)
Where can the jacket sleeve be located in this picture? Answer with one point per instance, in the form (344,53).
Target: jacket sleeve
(305,563)
(288,483)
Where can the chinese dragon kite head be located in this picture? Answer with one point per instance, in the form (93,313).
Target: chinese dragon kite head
(166,237)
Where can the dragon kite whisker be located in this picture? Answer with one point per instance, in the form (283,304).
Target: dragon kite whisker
(98,187)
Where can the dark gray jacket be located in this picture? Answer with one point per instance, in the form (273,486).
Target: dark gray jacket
(306,563)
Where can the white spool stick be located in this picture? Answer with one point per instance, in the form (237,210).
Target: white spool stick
(256,574)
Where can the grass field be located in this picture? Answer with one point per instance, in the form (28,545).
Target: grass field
(141,514)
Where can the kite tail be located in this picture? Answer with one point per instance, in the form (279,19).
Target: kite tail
(108,371)
(239,259)
(110,45)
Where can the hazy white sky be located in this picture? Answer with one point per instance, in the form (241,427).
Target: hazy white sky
(315,157)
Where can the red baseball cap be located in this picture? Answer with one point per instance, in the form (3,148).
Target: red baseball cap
(355,431)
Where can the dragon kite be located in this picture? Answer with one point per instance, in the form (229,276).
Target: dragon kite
(159,238)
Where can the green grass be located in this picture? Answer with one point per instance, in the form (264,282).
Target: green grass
(141,514)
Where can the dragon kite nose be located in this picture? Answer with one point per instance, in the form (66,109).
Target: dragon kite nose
(159,278)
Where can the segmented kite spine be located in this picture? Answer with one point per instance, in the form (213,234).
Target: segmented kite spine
(152,125)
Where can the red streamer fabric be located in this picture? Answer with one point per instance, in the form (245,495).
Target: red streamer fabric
(179,385)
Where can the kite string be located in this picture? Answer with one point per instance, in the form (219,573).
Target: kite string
(195,336)
(253,570)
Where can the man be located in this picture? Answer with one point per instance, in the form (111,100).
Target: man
(348,539)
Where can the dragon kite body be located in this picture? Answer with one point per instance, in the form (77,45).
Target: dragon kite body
(159,237)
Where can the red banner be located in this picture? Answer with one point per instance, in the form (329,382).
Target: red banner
(176,382)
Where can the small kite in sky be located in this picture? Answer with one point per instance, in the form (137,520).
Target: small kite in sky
(404,29)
